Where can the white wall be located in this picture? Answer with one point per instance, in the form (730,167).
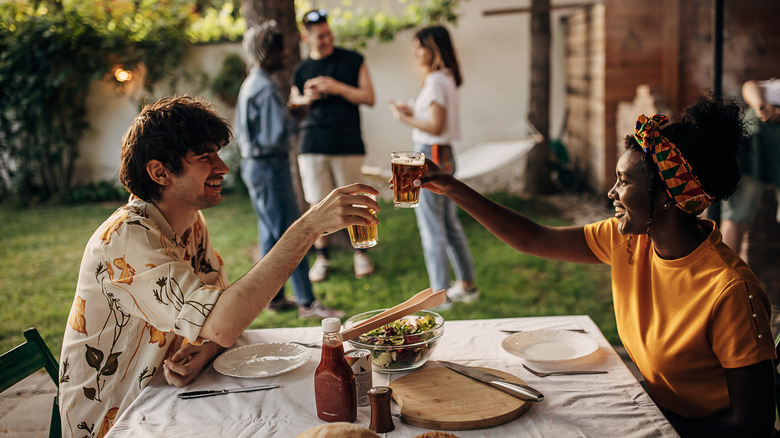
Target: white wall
(109,112)
(494,53)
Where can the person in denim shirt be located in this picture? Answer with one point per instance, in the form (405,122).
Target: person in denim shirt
(264,127)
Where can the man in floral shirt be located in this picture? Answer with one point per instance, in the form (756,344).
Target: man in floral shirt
(152,295)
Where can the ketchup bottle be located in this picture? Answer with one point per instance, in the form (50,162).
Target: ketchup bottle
(334,381)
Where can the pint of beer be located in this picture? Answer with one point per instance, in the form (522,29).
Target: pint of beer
(361,236)
(407,167)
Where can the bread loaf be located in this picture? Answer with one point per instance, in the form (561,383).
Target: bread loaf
(338,429)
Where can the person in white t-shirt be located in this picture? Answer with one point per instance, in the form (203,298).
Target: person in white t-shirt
(435,120)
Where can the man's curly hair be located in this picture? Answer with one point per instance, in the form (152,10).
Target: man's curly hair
(166,131)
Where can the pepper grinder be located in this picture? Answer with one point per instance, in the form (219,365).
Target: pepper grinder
(381,420)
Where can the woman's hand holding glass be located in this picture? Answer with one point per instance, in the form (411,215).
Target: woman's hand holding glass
(434,178)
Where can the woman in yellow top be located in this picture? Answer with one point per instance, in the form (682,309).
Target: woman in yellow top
(689,311)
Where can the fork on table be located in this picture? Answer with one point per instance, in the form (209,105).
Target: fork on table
(561,373)
(306,344)
(566,330)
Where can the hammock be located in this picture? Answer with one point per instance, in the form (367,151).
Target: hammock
(491,155)
(487,157)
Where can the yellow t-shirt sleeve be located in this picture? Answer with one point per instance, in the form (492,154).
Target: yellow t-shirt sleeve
(599,236)
(739,330)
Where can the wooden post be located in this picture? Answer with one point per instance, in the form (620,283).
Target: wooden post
(713,212)
(671,54)
(538,168)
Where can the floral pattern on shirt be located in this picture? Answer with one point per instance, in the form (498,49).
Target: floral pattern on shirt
(142,292)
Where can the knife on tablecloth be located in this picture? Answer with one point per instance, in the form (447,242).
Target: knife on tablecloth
(518,390)
(210,392)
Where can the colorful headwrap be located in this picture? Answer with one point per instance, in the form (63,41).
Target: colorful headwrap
(678,177)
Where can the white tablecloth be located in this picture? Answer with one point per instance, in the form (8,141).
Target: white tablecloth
(613,404)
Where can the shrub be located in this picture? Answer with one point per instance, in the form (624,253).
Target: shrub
(228,81)
(49,56)
(95,192)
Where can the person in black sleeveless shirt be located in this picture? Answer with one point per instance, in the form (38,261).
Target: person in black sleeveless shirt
(333,82)
(333,123)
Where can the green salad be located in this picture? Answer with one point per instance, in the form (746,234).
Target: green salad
(409,330)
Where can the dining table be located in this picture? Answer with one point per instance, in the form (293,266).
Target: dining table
(593,405)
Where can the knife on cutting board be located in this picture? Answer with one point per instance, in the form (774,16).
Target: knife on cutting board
(210,392)
(518,390)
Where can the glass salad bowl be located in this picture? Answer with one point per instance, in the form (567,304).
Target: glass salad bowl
(402,345)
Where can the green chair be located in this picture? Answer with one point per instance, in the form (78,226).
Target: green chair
(777,383)
(24,360)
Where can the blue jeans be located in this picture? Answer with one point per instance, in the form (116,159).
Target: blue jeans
(443,238)
(269,181)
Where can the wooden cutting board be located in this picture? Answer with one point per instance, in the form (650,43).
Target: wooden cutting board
(439,398)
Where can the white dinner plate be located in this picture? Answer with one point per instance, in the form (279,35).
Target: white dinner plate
(549,345)
(261,360)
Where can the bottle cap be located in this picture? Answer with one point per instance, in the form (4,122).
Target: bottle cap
(331,325)
(380,391)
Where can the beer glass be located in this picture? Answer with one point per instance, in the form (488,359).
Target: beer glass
(407,167)
(364,236)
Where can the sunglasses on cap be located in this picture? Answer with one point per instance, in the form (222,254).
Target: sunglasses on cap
(316,16)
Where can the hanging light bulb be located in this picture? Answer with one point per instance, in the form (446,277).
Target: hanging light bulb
(123,75)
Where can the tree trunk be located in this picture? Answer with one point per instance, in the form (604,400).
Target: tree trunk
(283,11)
(256,12)
(538,170)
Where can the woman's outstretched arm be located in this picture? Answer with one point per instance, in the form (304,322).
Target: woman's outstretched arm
(516,230)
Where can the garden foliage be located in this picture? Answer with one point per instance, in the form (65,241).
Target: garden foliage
(51,51)
(356,23)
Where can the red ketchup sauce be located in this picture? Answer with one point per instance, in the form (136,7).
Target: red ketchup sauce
(334,381)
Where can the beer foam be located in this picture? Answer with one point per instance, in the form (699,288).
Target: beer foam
(408,161)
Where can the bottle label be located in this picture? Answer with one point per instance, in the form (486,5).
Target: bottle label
(442,156)
(360,361)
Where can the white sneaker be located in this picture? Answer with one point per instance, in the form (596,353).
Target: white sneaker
(363,265)
(318,310)
(319,270)
(457,293)
(447,305)
(281,305)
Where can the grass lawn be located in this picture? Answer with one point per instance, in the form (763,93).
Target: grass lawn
(41,248)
